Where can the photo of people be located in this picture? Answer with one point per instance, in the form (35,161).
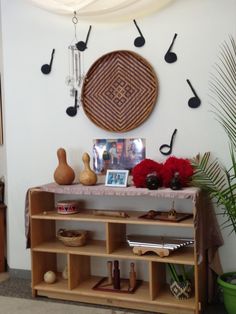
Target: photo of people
(117,178)
(117,153)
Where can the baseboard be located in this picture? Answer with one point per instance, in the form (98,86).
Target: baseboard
(19,273)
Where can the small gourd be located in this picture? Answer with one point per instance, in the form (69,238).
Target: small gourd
(87,176)
(64,174)
(65,273)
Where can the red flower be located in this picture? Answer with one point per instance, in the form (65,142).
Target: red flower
(141,170)
(180,165)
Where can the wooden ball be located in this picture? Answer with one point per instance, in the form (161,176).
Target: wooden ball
(49,277)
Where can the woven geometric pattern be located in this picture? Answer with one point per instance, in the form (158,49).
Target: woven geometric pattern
(181,290)
(119,91)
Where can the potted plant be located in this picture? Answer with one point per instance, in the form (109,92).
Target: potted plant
(212,175)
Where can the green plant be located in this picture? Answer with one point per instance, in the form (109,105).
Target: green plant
(209,174)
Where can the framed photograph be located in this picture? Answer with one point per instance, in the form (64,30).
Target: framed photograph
(117,154)
(117,178)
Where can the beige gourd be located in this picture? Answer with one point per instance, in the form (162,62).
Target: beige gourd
(64,174)
(87,176)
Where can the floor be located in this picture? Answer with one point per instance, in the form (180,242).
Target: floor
(20,288)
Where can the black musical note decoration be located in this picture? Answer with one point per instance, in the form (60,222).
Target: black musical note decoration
(140,40)
(195,101)
(46,68)
(72,110)
(81,45)
(166,149)
(170,56)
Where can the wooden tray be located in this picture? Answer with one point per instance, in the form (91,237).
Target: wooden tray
(164,216)
(124,286)
(119,91)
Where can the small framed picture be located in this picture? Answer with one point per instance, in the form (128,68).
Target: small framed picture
(117,178)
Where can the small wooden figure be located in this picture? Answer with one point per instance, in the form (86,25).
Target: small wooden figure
(172,212)
(132,277)
(116,276)
(109,272)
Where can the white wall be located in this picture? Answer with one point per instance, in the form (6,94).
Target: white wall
(35,104)
(2,147)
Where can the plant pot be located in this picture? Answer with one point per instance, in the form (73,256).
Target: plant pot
(181,290)
(229,292)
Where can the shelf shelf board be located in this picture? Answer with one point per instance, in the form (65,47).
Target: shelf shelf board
(97,248)
(141,295)
(87,215)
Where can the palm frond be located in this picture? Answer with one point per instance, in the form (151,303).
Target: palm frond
(209,174)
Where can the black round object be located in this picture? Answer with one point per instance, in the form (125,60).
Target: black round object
(152,182)
(175,183)
(71,111)
(46,69)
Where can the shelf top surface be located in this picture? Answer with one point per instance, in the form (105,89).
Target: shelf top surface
(102,190)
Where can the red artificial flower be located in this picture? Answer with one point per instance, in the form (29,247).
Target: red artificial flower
(173,165)
(141,170)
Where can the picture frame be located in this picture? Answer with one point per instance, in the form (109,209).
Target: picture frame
(120,153)
(117,178)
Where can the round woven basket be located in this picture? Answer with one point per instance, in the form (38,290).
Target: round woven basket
(72,237)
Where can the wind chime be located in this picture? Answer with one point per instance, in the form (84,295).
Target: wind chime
(76,70)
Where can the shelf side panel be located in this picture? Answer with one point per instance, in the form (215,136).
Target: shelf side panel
(115,236)
(40,201)
(157,278)
(78,269)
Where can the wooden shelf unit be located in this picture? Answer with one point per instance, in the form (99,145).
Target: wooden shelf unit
(153,295)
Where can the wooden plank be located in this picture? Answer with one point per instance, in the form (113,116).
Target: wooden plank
(87,215)
(165,302)
(97,248)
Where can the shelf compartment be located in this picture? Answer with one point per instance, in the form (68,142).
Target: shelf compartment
(43,262)
(87,215)
(181,256)
(92,248)
(98,248)
(42,231)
